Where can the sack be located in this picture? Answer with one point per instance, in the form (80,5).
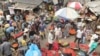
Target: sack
(57,54)
(72,45)
(72,31)
(15,45)
(18,35)
(49,53)
(84,47)
(64,44)
(69,51)
(95,54)
(43,53)
(55,46)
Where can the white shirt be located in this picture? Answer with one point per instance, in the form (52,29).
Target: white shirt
(8,17)
(50,38)
(57,31)
(94,36)
(79,24)
(79,33)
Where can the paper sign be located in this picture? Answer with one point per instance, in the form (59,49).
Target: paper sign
(11,10)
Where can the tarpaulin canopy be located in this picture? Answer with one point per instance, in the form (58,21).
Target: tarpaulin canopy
(33,51)
(27,4)
(94,7)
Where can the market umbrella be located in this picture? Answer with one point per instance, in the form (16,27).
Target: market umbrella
(67,13)
(75,5)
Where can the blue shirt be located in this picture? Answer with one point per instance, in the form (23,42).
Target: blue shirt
(42,27)
(10,29)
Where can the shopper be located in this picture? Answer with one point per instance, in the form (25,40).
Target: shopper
(50,39)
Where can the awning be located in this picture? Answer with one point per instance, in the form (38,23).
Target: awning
(23,6)
(94,7)
(26,4)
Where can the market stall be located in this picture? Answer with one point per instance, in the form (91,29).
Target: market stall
(94,7)
(94,12)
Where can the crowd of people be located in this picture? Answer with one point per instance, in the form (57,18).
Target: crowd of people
(39,28)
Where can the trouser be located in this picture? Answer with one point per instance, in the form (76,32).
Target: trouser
(42,34)
(23,52)
(7,35)
(10,55)
(83,40)
(50,47)
(90,54)
(77,39)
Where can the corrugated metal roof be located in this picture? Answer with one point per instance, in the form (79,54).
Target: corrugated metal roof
(24,6)
(94,6)
(27,4)
(29,1)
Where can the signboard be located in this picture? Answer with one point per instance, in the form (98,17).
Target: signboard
(11,10)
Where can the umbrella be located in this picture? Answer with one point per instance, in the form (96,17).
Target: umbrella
(67,13)
(75,5)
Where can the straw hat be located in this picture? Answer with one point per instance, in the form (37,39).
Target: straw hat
(6,25)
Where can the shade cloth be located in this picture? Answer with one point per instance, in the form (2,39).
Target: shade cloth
(33,51)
